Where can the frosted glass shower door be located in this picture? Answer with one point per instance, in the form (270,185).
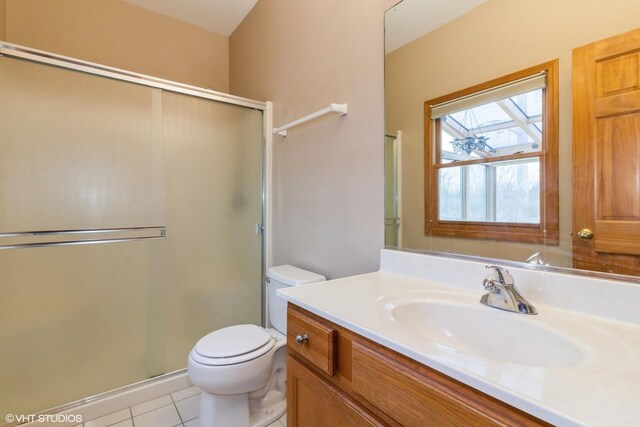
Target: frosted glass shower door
(213,183)
(78,151)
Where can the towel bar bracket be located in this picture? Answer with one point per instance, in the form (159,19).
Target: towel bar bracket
(340,109)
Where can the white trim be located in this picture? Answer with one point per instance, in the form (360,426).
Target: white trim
(398,147)
(332,108)
(268,186)
(43,57)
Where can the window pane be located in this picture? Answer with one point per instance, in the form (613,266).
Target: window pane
(518,192)
(447,151)
(482,115)
(514,187)
(530,103)
(450,200)
(512,140)
(507,126)
(477,193)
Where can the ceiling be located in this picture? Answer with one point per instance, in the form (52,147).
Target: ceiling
(404,23)
(218,16)
(411,19)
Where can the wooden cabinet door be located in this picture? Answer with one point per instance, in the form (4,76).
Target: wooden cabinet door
(606,155)
(312,402)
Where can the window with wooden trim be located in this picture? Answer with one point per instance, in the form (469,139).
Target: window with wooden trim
(491,159)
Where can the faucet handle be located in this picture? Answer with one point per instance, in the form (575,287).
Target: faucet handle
(489,284)
(501,274)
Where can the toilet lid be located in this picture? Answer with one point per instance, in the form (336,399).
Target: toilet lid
(234,341)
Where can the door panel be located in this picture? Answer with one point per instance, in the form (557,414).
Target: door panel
(617,75)
(617,168)
(606,151)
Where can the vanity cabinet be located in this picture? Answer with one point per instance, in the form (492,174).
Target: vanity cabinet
(338,378)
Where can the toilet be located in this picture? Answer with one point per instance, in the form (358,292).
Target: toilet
(241,369)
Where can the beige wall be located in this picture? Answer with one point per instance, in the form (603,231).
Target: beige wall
(3,19)
(499,37)
(303,55)
(116,33)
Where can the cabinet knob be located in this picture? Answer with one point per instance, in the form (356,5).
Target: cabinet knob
(585,234)
(301,339)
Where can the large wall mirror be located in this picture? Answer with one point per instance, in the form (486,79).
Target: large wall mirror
(491,152)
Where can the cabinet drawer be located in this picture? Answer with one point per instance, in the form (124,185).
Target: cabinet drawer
(313,341)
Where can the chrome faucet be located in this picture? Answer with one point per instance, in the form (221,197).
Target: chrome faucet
(503,293)
(536,259)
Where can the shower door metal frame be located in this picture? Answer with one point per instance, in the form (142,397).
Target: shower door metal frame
(43,57)
(61,61)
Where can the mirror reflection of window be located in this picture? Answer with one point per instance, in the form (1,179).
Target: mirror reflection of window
(510,125)
(493,157)
(504,191)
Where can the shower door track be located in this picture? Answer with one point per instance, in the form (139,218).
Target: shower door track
(43,57)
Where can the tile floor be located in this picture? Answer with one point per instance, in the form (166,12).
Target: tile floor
(175,409)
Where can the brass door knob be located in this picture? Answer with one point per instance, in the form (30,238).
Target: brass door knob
(585,234)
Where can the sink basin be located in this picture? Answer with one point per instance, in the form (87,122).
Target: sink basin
(486,332)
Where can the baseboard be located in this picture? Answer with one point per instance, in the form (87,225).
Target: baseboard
(114,400)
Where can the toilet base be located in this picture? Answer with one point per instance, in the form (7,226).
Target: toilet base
(233,410)
(218,410)
(262,417)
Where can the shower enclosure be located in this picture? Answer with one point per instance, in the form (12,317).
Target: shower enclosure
(168,177)
(393,190)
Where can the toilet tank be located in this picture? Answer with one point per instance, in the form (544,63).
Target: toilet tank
(280,277)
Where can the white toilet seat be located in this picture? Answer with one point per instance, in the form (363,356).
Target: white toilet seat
(232,345)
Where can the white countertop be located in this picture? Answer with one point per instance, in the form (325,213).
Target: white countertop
(601,390)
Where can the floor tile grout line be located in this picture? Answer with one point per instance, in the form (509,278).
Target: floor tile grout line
(176,406)
(130,408)
(151,410)
(184,398)
(112,424)
(179,415)
(155,409)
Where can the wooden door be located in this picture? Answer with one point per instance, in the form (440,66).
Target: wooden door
(606,155)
